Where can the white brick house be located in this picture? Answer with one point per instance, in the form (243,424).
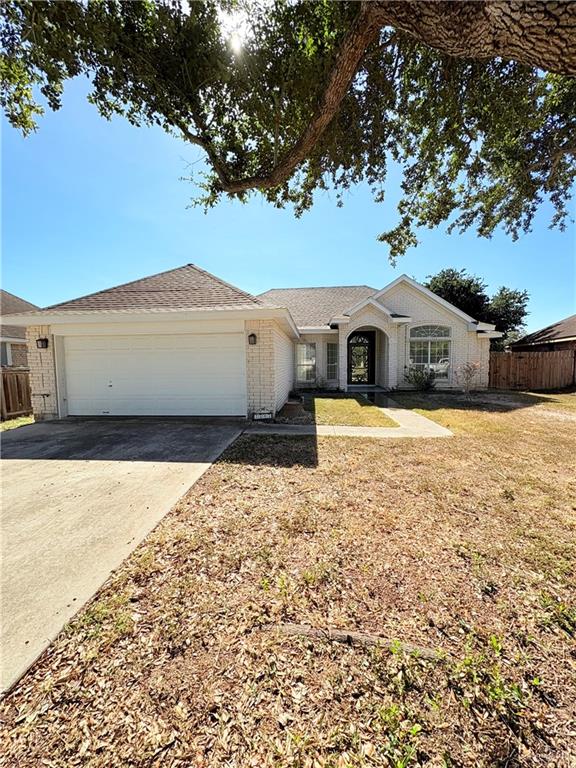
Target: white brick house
(356,337)
(186,343)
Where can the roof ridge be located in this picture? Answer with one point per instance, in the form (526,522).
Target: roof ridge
(114,287)
(319,288)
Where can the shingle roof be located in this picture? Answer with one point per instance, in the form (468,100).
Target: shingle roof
(563,329)
(187,287)
(11,305)
(315,307)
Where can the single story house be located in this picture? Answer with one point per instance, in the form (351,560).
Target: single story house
(553,338)
(184,342)
(13,349)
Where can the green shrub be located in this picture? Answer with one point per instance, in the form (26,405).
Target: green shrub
(422,379)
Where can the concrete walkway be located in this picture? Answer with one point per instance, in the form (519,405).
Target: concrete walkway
(410,424)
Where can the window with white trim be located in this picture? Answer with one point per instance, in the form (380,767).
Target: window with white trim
(332,361)
(430,349)
(306,363)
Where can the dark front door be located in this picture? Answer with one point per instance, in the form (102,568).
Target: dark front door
(361,354)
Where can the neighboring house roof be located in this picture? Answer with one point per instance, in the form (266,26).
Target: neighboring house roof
(315,307)
(187,287)
(11,305)
(563,330)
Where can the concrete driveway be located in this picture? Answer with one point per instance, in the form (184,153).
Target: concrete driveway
(77,497)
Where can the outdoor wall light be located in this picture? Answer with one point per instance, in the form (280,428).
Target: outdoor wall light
(252,339)
(42,343)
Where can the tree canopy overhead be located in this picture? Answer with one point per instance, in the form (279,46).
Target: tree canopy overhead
(476,102)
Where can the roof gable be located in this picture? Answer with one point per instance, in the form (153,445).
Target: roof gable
(426,292)
(187,287)
(378,305)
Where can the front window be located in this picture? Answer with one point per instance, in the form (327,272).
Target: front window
(306,363)
(332,361)
(430,349)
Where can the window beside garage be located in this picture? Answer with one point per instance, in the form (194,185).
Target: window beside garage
(306,363)
(430,349)
(6,353)
(332,361)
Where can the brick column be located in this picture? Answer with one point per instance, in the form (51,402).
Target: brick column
(343,357)
(42,373)
(393,351)
(260,367)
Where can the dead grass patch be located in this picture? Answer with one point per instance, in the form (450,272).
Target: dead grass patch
(465,545)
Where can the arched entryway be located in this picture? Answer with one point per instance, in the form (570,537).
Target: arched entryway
(362,357)
(367,357)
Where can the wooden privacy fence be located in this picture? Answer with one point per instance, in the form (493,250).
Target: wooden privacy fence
(533,370)
(16,400)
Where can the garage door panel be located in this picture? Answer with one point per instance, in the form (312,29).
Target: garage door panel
(156,375)
(203,386)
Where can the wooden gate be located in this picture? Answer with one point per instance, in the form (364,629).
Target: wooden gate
(16,400)
(533,370)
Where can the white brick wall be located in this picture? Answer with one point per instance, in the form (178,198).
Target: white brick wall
(466,346)
(283,366)
(269,366)
(42,373)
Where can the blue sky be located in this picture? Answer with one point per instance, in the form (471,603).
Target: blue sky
(87,204)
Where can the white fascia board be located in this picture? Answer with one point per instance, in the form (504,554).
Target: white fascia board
(491,334)
(481,327)
(13,339)
(370,301)
(427,292)
(289,325)
(366,302)
(320,329)
(281,314)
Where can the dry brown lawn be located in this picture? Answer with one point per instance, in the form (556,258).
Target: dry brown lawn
(466,545)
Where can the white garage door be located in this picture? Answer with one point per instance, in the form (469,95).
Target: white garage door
(179,375)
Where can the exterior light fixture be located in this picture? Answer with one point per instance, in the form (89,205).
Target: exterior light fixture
(252,339)
(42,343)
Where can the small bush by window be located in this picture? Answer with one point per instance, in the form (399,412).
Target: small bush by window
(421,379)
